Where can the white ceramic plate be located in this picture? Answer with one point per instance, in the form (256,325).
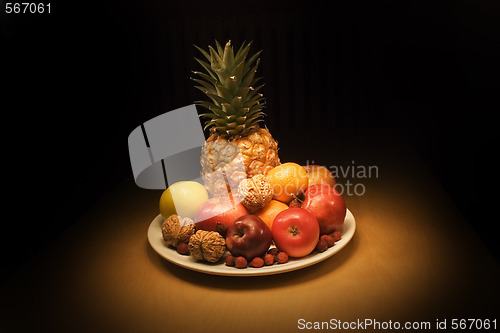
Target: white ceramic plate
(156,240)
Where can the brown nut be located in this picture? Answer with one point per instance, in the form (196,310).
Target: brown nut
(207,245)
(176,230)
(255,192)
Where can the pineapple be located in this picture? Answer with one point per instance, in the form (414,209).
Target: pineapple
(238,147)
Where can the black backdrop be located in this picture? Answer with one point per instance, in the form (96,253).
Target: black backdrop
(77,81)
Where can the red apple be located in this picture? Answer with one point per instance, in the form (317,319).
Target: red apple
(249,237)
(295,231)
(220,209)
(327,205)
(318,174)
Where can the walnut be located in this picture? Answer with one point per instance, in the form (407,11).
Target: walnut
(255,192)
(176,230)
(207,245)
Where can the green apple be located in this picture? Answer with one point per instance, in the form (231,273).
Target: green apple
(182,198)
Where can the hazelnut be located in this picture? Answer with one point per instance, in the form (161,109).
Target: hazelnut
(207,245)
(221,228)
(255,192)
(295,203)
(176,230)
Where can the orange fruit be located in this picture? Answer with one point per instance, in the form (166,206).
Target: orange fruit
(287,180)
(269,212)
(319,175)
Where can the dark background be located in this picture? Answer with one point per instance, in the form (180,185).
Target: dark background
(78,81)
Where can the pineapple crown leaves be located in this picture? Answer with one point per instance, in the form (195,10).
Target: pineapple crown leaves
(230,83)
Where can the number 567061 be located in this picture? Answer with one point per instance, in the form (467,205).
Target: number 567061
(27,8)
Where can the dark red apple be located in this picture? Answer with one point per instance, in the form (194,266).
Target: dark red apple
(249,237)
(327,205)
(295,231)
(220,209)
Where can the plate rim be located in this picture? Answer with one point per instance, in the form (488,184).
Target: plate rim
(156,242)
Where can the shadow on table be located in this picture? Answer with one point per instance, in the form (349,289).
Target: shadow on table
(256,282)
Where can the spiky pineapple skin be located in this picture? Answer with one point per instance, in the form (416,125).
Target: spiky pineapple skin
(238,147)
(226,162)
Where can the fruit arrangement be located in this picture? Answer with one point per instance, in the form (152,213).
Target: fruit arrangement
(252,209)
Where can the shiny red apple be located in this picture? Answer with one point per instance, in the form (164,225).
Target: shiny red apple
(220,209)
(248,236)
(327,205)
(295,231)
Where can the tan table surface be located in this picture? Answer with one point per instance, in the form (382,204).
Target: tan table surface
(413,258)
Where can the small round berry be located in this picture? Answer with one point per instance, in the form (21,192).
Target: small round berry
(240,262)
(268,259)
(182,248)
(257,262)
(329,240)
(322,245)
(229,260)
(337,236)
(282,258)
